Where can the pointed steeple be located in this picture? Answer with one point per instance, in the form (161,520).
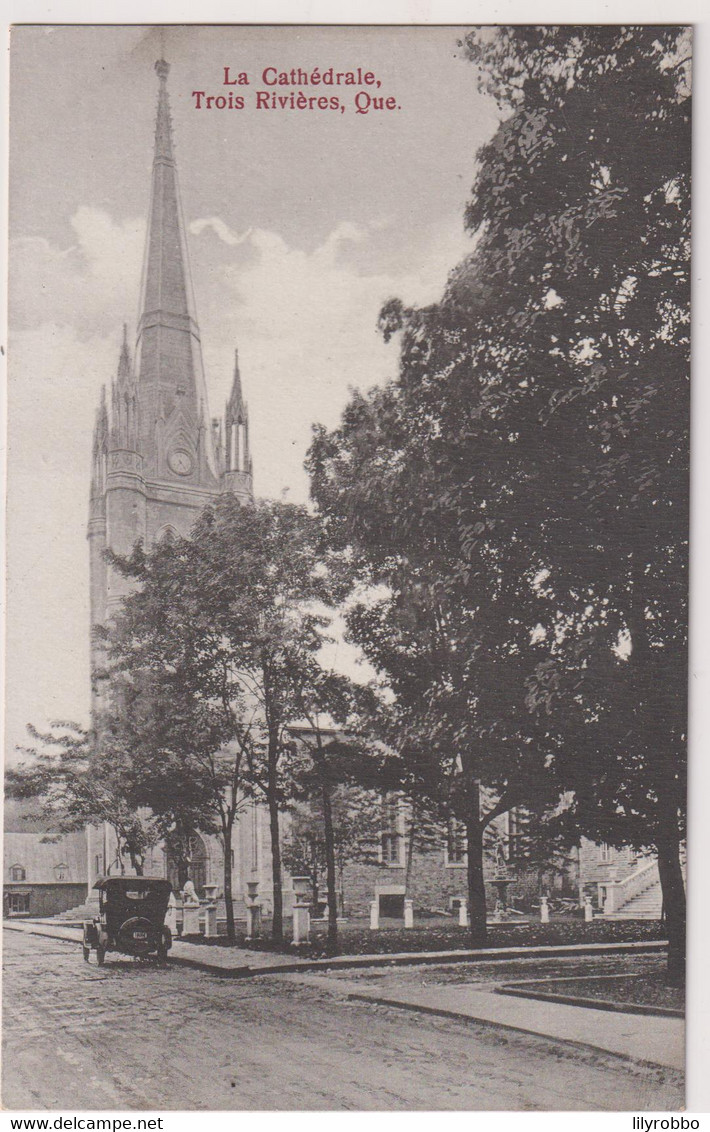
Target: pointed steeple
(169,369)
(237,460)
(124,361)
(124,410)
(163,121)
(236,406)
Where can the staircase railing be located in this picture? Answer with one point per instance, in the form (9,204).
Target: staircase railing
(621,892)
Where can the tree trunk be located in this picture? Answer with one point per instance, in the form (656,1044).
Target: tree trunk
(341,889)
(673,890)
(228,898)
(410,852)
(476,886)
(277,923)
(330,868)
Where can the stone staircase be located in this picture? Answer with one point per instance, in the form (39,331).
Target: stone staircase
(85,911)
(637,897)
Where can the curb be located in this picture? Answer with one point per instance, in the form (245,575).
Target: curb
(458,1016)
(399,959)
(518,990)
(414,958)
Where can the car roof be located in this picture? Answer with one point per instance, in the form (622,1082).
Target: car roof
(122,884)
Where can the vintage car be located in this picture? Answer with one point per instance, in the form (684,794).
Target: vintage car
(131,919)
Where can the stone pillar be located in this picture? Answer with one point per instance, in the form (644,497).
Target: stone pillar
(588,910)
(253,920)
(171,915)
(544,911)
(374,915)
(301,924)
(463,913)
(190,910)
(190,919)
(408,913)
(210,921)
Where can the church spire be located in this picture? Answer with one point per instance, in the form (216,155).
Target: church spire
(171,384)
(236,406)
(163,121)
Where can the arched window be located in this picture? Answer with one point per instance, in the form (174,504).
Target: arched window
(17,872)
(61,872)
(167,534)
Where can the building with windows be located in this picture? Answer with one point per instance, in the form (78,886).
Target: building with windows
(43,877)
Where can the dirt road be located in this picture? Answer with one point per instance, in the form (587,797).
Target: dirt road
(134,1036)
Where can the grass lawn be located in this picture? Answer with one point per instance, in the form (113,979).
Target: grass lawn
(648,989)
(355,938)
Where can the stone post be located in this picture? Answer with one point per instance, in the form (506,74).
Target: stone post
(171,915)
(408,913)
(190,910)
(190,919)
(463,913)
(301,924)
(588,910)
(374,915)
(253,909)
(544,911)
(210,921)
(253,920)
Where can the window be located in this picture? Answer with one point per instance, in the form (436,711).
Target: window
(99,864)
(456,843)
(61,872)
(17,872)
(390,848)
(604,852)
(391,837)
(19,902)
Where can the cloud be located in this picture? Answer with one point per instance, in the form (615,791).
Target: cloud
(220,229)
(91,285)
(305,324)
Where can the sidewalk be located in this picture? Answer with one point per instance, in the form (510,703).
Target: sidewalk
(233,961)
(645,1039)
(238,962)
(642,1039)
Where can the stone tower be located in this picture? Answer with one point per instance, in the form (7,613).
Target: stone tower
(158,459)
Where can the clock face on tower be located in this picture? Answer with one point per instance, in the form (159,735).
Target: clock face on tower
(180,461)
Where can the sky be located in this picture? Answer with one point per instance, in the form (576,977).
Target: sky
(301,224)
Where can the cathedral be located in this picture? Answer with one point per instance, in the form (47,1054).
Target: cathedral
(158,457)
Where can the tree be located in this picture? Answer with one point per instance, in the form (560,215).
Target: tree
(356,835)
(227,623)
(521,489)
(74,786)
(326,759)
(184,750)
(588,242)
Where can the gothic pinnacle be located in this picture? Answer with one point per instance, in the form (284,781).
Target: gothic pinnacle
(124,362)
